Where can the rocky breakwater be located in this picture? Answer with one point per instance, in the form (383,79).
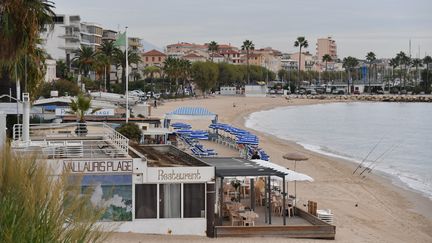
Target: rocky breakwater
(373,98)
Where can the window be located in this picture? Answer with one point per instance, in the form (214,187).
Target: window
(170,201)
(145,201)
(153,59)
(146,59)
(160,59)
(194,201)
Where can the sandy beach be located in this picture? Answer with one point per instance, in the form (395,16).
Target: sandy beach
(365,210)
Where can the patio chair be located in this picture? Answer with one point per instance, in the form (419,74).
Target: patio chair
(235,218)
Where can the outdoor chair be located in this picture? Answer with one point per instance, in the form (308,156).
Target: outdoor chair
(235,218)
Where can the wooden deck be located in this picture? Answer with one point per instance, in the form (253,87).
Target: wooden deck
(303,225)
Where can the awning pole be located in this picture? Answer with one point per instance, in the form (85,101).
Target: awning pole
(283,200)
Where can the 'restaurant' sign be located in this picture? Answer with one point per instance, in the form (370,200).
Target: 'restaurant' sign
(98,166)
(180,174)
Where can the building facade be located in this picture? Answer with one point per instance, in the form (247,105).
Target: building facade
(153,58)
(326,46)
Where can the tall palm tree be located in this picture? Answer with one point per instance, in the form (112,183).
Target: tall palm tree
(20,25)
(349,63)
(394,63)
(185,71)
(404,61)
(371,58)
(248,46)
(85,58)
(416,62)
(120,60)
(326,58)
(213,48)
(427,60)
(301,42)
(108,49)
(172,68)
(150,71)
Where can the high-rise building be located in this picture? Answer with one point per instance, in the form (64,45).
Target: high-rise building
(326,46)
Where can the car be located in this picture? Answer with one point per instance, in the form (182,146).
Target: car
(302,91)
(311,91)
(356,92)
(272,91)
(338,91)
(380,91)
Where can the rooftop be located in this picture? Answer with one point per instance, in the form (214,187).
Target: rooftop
(167,156)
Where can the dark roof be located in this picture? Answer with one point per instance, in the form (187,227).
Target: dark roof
(226,167)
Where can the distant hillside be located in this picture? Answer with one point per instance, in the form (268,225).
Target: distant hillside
(149,46)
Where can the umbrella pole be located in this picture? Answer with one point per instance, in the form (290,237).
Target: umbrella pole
(295,185)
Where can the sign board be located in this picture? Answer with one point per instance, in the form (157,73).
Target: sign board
(179,174)
(101,166)
(102,112)
(11,108)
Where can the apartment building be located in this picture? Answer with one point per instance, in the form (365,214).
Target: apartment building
(91,35)
(183,48)
(307,61)
(109,35)
(326,46)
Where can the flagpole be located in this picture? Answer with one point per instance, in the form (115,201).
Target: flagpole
(127,77)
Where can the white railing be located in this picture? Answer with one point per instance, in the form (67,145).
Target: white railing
(64,139)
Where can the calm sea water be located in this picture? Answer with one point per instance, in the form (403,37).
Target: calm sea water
(402,133)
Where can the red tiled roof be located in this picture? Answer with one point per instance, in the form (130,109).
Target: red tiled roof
(154,53)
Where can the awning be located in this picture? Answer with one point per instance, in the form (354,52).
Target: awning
(290,175)
(190,113)
(156,131)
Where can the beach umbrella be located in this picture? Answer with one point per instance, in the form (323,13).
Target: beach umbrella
(296,157)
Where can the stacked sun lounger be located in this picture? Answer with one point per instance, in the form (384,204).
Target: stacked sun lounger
(191,139)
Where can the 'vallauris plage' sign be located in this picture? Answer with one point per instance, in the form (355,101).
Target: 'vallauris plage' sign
(98,166)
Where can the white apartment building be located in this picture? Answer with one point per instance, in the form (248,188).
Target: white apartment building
(68,35)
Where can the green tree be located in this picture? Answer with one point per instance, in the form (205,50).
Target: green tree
(301,42)
(416,62)
(61,69)
(205,75)
(326,58)
(213,48)
(371,58)
(120,60)
(427,60)
(349,63)
(149,72)
(394,63)
(248,46)
(108,50)
(404,61)
(130,130)
(84,59)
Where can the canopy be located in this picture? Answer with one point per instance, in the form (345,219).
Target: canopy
(290,174)
(191,113)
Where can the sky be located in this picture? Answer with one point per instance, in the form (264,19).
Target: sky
(382,26)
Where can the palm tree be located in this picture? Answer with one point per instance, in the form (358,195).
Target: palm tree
(120,60)
(213,48)
(248,46)
(427,60)
(394,63)
(150,71)
(326,58)
(20,25)
(172,68)
(403,60)
(184,71)
(84,58)
(80,106)
(300,42)
(349,63)
(61,69)
(370,57)
(108,49)
(416,62)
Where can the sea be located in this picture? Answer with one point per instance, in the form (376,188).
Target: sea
(394,139)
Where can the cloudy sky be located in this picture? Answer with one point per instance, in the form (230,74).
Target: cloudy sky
(382,26)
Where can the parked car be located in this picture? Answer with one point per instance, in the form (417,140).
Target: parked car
(338,91)
(356,92)
(311,91)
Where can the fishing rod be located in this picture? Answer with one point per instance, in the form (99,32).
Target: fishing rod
(369,168)
(373,166)
(367,156)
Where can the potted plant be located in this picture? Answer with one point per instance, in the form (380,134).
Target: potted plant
(80,106)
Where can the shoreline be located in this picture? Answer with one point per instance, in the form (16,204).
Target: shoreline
(372,210)
(386,179)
